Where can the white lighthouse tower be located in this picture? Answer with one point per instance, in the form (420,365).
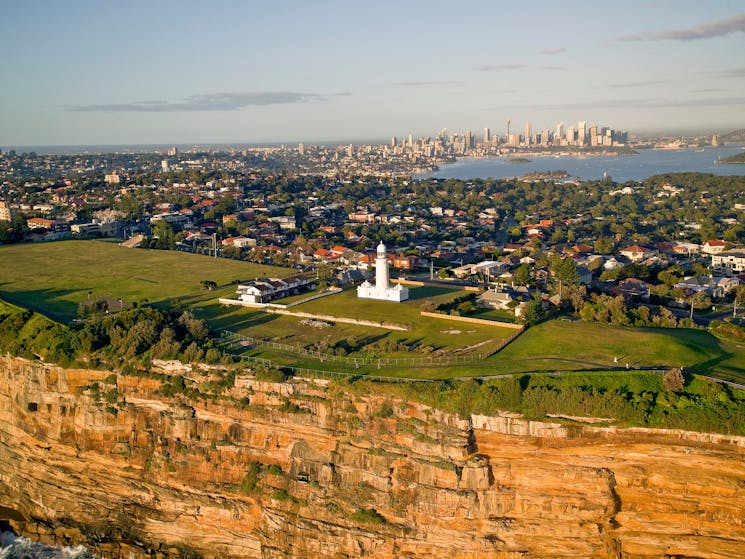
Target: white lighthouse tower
(382,289)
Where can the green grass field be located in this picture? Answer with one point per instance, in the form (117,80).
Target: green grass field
(569,346)
(53,278)
(437,334)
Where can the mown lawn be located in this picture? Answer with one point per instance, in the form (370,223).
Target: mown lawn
(54,278)
(561,346)
(432,333)
(558,346)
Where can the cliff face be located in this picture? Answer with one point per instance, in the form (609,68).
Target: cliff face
(299,470)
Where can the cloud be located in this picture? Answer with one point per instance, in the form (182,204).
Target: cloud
(639,103)
(649,103)
(500,67)
(731,73)
(636,84)
(709,30)
(208,102)
(557,50)
(424,83)
(710,90)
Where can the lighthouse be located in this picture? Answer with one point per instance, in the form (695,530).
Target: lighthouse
(382,290)
(382,279)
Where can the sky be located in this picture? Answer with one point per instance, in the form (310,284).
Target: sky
(180,72)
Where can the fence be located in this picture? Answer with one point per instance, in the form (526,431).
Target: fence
(233,338)
(305,372)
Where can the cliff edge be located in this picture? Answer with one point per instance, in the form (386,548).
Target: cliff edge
(305,469)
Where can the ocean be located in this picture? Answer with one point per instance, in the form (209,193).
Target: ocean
(16,547)
(620,168)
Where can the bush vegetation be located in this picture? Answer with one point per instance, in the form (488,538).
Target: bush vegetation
(128,337)
(635,398)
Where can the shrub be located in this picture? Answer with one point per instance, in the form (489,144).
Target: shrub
(367,516)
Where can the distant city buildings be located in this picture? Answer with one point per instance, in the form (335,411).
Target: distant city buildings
(7,213)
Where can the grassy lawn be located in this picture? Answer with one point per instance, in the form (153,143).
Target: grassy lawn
(571,346)
(561,346)
(53,278)
(437,334)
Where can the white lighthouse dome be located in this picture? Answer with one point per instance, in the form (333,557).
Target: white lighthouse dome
(381,249)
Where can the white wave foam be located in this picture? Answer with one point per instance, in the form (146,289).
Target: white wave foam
(16,547)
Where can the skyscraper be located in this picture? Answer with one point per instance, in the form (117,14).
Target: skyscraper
(560,131)
(393,142)
(487,136)
(301,149)
(582,134)
(527,134)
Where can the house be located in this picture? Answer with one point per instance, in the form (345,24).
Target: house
(713,247)
(490,268)
(730,262)
(712,286)
(267,289)
(53,225)
(409,262)
(632,289)
(240,242)
(504,298)
(636,253)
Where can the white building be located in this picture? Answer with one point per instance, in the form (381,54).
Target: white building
(729,262)
(382,290)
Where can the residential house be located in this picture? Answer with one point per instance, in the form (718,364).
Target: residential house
(715,287)
(504,298)
(713,247)
(729,262)
(267,289)
(632,289)
(637,253)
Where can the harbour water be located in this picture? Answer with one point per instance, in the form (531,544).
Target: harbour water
(620,168)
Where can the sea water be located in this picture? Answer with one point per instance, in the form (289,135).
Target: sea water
(17,547)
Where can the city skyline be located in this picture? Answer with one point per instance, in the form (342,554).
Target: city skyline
(84,73)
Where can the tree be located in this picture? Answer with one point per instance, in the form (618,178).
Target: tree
(209,285)
(532,311)
(565,271)
(699,301)
(739,299)
(603,245)
(672,380)
(523,275)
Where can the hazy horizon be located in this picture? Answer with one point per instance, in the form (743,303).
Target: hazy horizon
(82,73)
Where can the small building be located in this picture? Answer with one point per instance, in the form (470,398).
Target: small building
(267,289)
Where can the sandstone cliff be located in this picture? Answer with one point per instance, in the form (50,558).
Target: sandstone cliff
(297,469)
